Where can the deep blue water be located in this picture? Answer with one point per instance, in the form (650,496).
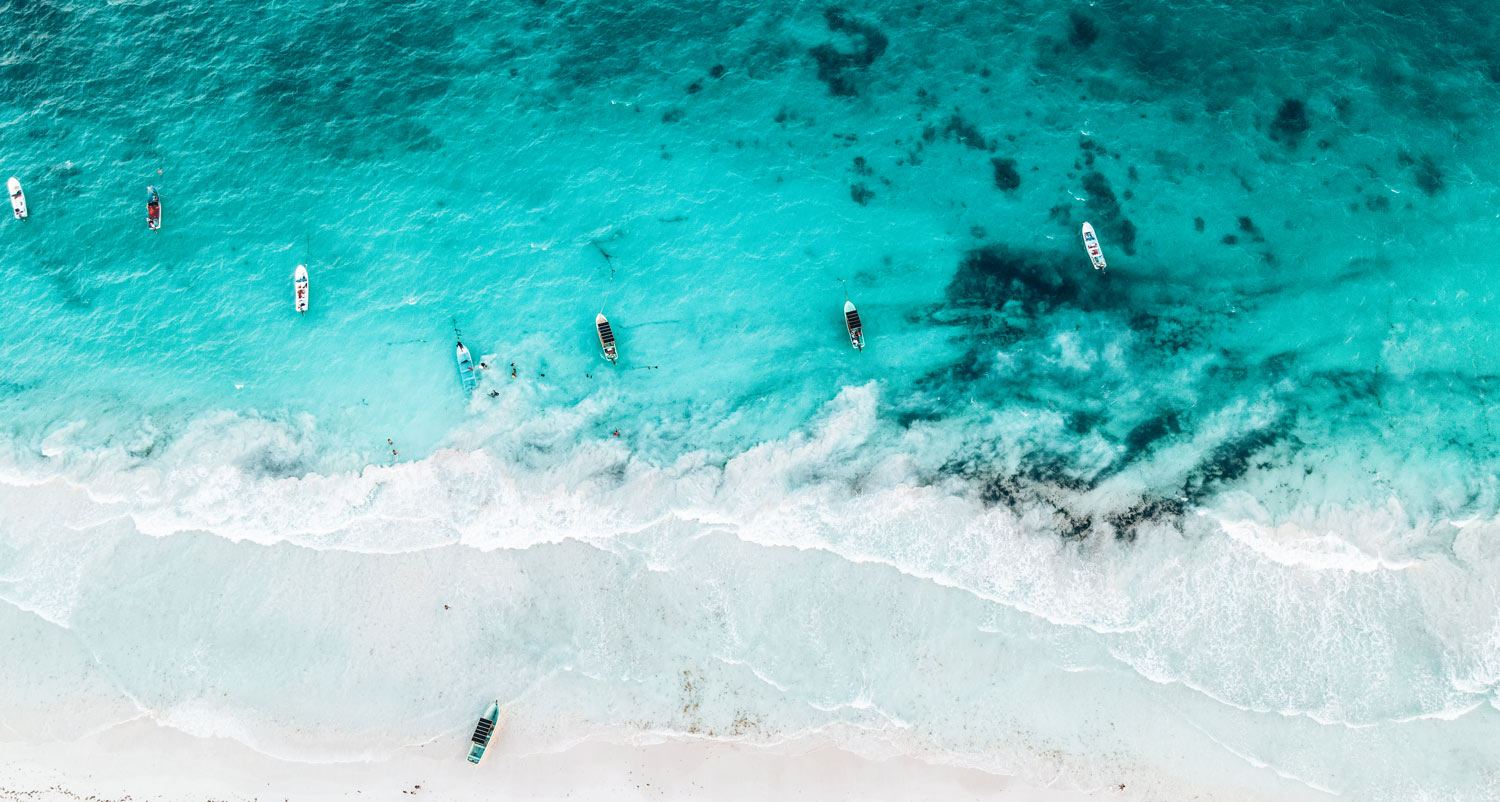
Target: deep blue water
(1223,513)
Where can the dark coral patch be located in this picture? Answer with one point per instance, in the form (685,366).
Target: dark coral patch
(1082,421)
(1125,235)
(1101,197)
(1429,176)
(1232,459)
(1248,226)
(1082,31)
(1146,434)
(1106,207)
(1006,177)
(840,69)
(1291,123)
(1167,334)
(965,132)
(861,194)
(994,275)
(1146,511)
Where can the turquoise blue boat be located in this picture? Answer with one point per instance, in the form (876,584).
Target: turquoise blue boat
(483,730)
(466,369)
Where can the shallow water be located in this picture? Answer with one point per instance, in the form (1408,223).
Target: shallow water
(1223,512)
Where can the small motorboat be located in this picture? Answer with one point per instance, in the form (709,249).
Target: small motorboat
(1091,242)
(466,369)
(482,732)
(153,209)
(852,323)
(606,338)
(17,198)
(299,285)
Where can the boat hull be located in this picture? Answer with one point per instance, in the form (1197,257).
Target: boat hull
(17,199)
(483,731)
(606,338)
(1091,244)
(153,210)
(300,288)
(854,326)
(466,369)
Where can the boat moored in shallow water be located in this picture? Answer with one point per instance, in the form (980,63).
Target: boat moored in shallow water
(466,369)
(17,198)
(855,328)
(606,338)
(1091,243)
(482,732)
(153,209)
(299,287)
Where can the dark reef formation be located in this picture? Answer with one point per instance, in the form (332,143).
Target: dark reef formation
(1006,177)
(1106,214)
(1290,124)
(842,69)
(1082,30)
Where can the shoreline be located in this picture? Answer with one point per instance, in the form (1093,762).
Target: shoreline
(140,759)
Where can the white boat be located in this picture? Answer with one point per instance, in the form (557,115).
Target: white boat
(854,326)
(1091,242)
(482,732)
(153,209)
(466,369)
(299,284)
(17,198)
(606,338)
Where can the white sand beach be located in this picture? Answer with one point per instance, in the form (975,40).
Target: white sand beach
(140,760)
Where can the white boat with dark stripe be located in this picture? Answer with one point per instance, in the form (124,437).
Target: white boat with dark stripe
(17,198)
(606,338)
(1091,244)
(855,328)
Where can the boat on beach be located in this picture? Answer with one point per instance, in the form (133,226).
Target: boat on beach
(482,732)
(17,198)
(153,210)
(1091,243)
(855,328)
(299,287)
(466,369)
(606,338)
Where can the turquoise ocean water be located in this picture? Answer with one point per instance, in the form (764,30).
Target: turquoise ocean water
(1223,513)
